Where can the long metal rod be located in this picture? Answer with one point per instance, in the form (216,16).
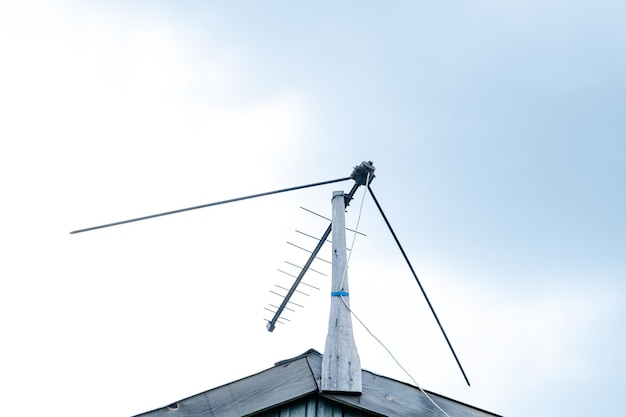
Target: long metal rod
(418,283)
(232,200)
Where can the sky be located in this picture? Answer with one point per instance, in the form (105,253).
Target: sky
(497,131)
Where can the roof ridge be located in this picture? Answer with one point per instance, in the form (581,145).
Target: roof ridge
(302,355)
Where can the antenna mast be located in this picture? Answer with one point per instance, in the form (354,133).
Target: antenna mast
(341,366)
(362,175)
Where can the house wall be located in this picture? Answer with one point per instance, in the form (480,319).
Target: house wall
(313,406)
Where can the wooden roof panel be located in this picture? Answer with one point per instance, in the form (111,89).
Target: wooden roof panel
(270,388)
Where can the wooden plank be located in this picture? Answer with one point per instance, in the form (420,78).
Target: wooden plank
(294,410)
(393,398)
(341,366)
(388,397)
(311,407)
(268,389)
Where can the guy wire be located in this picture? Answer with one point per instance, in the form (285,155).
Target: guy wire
(363,324)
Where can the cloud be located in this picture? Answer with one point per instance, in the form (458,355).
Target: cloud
(540,338)
(120,103)
(106,117)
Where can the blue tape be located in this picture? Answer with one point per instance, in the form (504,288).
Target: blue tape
(339,294)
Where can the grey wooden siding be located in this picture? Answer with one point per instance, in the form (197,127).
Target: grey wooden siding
(314,406)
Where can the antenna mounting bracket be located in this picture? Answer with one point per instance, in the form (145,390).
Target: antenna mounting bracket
(360,173)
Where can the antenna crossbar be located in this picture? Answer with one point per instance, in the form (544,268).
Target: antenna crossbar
(306,250)
(310,269)
(326,218)
(293,276)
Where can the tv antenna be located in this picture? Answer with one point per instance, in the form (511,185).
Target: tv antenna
(362,174)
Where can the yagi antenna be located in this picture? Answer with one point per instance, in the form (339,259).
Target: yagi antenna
(362,175)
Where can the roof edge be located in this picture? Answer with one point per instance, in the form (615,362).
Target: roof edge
(291,379)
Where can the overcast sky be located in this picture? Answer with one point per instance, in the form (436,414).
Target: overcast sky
(497,130)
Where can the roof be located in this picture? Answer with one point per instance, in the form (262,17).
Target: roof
(294,379)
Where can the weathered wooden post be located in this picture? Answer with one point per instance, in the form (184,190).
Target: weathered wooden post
(341,366)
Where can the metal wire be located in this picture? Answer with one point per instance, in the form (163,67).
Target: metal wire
(367,328)
(380,209)
(232,200)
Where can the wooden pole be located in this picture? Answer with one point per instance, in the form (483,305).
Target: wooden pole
(341,366)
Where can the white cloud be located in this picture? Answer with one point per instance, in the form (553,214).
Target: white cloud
(114,100)
(540,338)
(102,120)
